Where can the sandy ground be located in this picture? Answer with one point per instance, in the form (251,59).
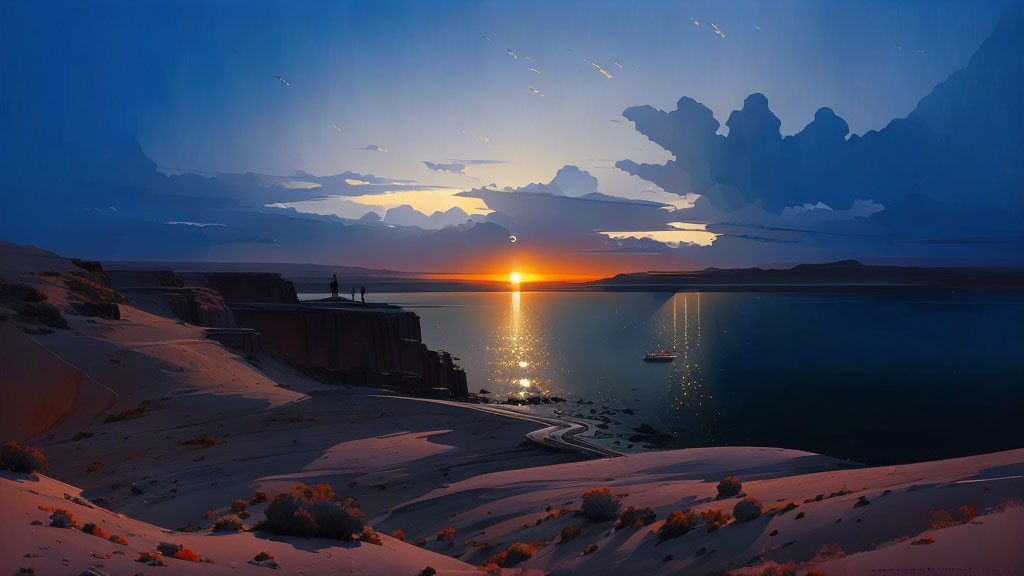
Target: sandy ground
(416,466)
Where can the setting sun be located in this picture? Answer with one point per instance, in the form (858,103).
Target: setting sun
(515,277)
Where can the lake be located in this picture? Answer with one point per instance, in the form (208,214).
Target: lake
(876,378)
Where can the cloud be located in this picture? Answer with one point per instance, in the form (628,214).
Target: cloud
(476,162)
(454,168)
(375,148)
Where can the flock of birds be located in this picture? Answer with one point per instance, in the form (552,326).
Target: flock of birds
(516,56)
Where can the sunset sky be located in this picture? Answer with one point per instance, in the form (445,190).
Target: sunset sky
(441,99)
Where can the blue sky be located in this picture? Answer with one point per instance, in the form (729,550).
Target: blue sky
(418,78)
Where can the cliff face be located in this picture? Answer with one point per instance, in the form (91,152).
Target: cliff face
(377,346)
(339,341)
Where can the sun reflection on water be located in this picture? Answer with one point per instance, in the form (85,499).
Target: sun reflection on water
(684,391)
(518,354)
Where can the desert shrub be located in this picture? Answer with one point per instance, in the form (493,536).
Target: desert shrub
(228,524)
(420,542)
(729,486)
(428,571)
(512,555)
(263,555)
(22,458)
(244,514)
(599,504)
(828,552)
(747,509)
(168,548)
(190,527)
(151,558)
(238,505)
(715,519)
(62,518)
(202,440)
(679,522)
(570,532)
(939,519)
(313,512)
(925,540)
(95,530)
(398,534)
(186,554)
(590,549)
(635,518)
(118,540)
(775,569)
(445,534)
(369,536)
(258,498)
(967,512)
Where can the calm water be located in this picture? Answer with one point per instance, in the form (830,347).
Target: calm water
(877,378)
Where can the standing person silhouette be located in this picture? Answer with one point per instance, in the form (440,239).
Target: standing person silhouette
(334,285)
(362,294)
(353,293)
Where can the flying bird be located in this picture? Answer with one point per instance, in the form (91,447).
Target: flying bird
(283,81)
(338,128)
(919,51)
(512,54)
(486,38)
(758,28)
(534,70)
(235,51)
(695,22)
(718,30)
(900,48)
(375,148)
(601,70)
(535,91)
(617,64)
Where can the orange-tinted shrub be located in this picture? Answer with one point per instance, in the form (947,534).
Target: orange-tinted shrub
(238,505)
(398,534)
(729,486)
(967,512)
(939,519)
(570,532)
(22,458)
(151,558)
(599,504)
(263,555)
(445,534)
(369,536)
(513,555)
(679,522)
(95,530)
(589,550)
(715,519)
(635,518)
(186,554)
(118,540)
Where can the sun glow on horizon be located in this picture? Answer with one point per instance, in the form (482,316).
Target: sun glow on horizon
(515,278)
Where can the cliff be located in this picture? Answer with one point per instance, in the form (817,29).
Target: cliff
(339,342)
(352,344)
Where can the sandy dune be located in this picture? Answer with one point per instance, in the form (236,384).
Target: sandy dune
(158,425)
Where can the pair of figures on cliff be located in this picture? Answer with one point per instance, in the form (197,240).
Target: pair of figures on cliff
(334,290)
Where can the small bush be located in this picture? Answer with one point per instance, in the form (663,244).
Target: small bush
(729,486)
(95,530)
(244,514)
(151,558)
(22,458)
(314,512)
(828,552)
(238,506)
(715,519)
(118,540)
(258,498)
(398,534)
(939,519)
(263,555)
(62,518)
(925,540)
(967,512)
(445,534)
(775,569)
(228,524)
(599,505)
(590,549)
(369,536)
(512,555)
(679,522)
(190,527)
(747,509)
(186,554)
(635,518)
(570,532)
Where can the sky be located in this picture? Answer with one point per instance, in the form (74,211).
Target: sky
(449,96)
(419,79)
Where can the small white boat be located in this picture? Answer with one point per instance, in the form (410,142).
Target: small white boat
(660,356)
